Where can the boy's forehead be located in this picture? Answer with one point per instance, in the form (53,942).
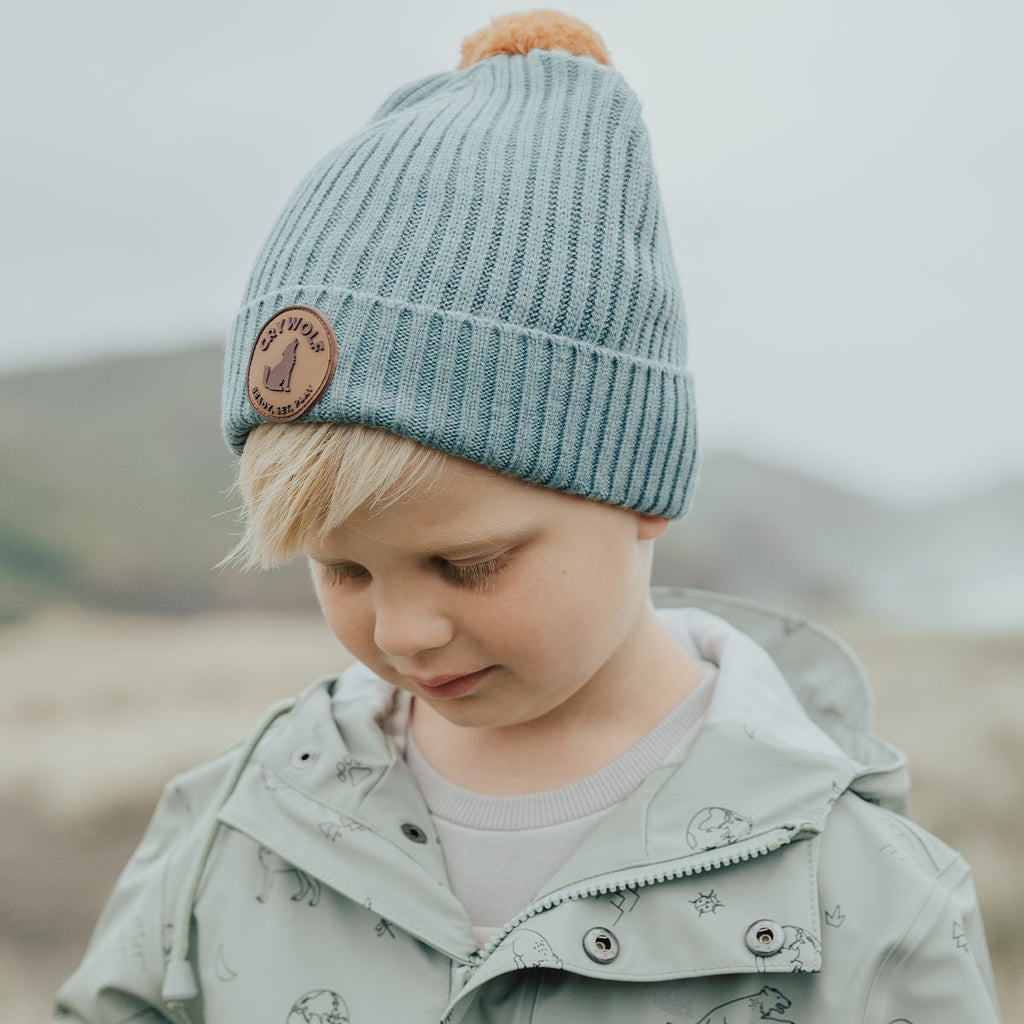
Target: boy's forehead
(461,509)
(471,503)
(459,534)
(467,490)
(458,507)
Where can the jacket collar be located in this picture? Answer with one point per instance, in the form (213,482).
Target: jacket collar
(331,793)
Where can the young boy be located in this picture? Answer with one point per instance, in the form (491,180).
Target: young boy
(458,386)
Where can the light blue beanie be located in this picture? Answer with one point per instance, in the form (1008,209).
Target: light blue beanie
(491,259)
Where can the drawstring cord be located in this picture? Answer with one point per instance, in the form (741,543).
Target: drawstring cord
(180,984)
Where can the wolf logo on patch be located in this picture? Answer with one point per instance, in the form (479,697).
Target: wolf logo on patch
(292,362)
(279,377)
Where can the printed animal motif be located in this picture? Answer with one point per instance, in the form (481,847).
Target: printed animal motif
(716,826)
(531,949)
(274,865)
(279,376)
(761,1005)
(707,902)
(334,830)
(352,771)
(320,1006)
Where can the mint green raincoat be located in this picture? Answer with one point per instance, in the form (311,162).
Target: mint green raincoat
(768,876)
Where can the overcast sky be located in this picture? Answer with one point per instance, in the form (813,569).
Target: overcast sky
(843,183)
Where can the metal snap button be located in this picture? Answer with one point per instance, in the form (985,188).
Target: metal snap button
(305,758)
(414,832)
(764,938)
(601,945)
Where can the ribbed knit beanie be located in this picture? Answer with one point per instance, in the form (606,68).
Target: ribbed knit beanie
(485,268)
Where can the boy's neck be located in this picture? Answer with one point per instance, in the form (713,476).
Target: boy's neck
(573,741)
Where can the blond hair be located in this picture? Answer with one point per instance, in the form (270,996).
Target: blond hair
(304,480)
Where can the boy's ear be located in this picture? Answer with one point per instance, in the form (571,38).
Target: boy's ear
(649,527)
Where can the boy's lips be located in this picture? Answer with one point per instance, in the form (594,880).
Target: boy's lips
(450,685)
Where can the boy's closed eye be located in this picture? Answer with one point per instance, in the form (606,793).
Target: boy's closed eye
(478,574)
(337,573)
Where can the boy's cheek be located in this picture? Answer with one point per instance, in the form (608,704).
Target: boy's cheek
(341,616)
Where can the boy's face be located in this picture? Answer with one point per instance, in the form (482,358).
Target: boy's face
(496,602)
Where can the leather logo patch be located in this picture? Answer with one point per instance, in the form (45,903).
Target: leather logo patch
(292,362)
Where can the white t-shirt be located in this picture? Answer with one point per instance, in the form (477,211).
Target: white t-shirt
(500,850)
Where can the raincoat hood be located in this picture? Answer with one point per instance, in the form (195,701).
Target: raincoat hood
(765,873)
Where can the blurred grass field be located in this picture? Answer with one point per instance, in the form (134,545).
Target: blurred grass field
(97,711)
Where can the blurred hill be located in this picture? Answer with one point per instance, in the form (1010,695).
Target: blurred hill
(114,490)
(771,534)
(114,480)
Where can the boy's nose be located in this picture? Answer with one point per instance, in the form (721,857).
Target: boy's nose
(405,627)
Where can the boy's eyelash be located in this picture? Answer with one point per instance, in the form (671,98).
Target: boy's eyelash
(343,572)
(476,574)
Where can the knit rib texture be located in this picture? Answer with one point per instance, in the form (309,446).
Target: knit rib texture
(492,253)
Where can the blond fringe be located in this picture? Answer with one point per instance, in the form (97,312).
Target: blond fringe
(301,481)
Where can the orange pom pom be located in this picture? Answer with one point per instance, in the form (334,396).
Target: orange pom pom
(534,30)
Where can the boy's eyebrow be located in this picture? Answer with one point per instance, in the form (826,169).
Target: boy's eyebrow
(488,542)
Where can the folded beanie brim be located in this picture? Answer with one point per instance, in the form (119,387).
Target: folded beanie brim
(581,418)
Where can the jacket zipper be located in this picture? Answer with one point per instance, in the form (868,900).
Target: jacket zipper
(653,874)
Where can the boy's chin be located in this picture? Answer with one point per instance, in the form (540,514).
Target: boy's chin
(463,712)
(473,711)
